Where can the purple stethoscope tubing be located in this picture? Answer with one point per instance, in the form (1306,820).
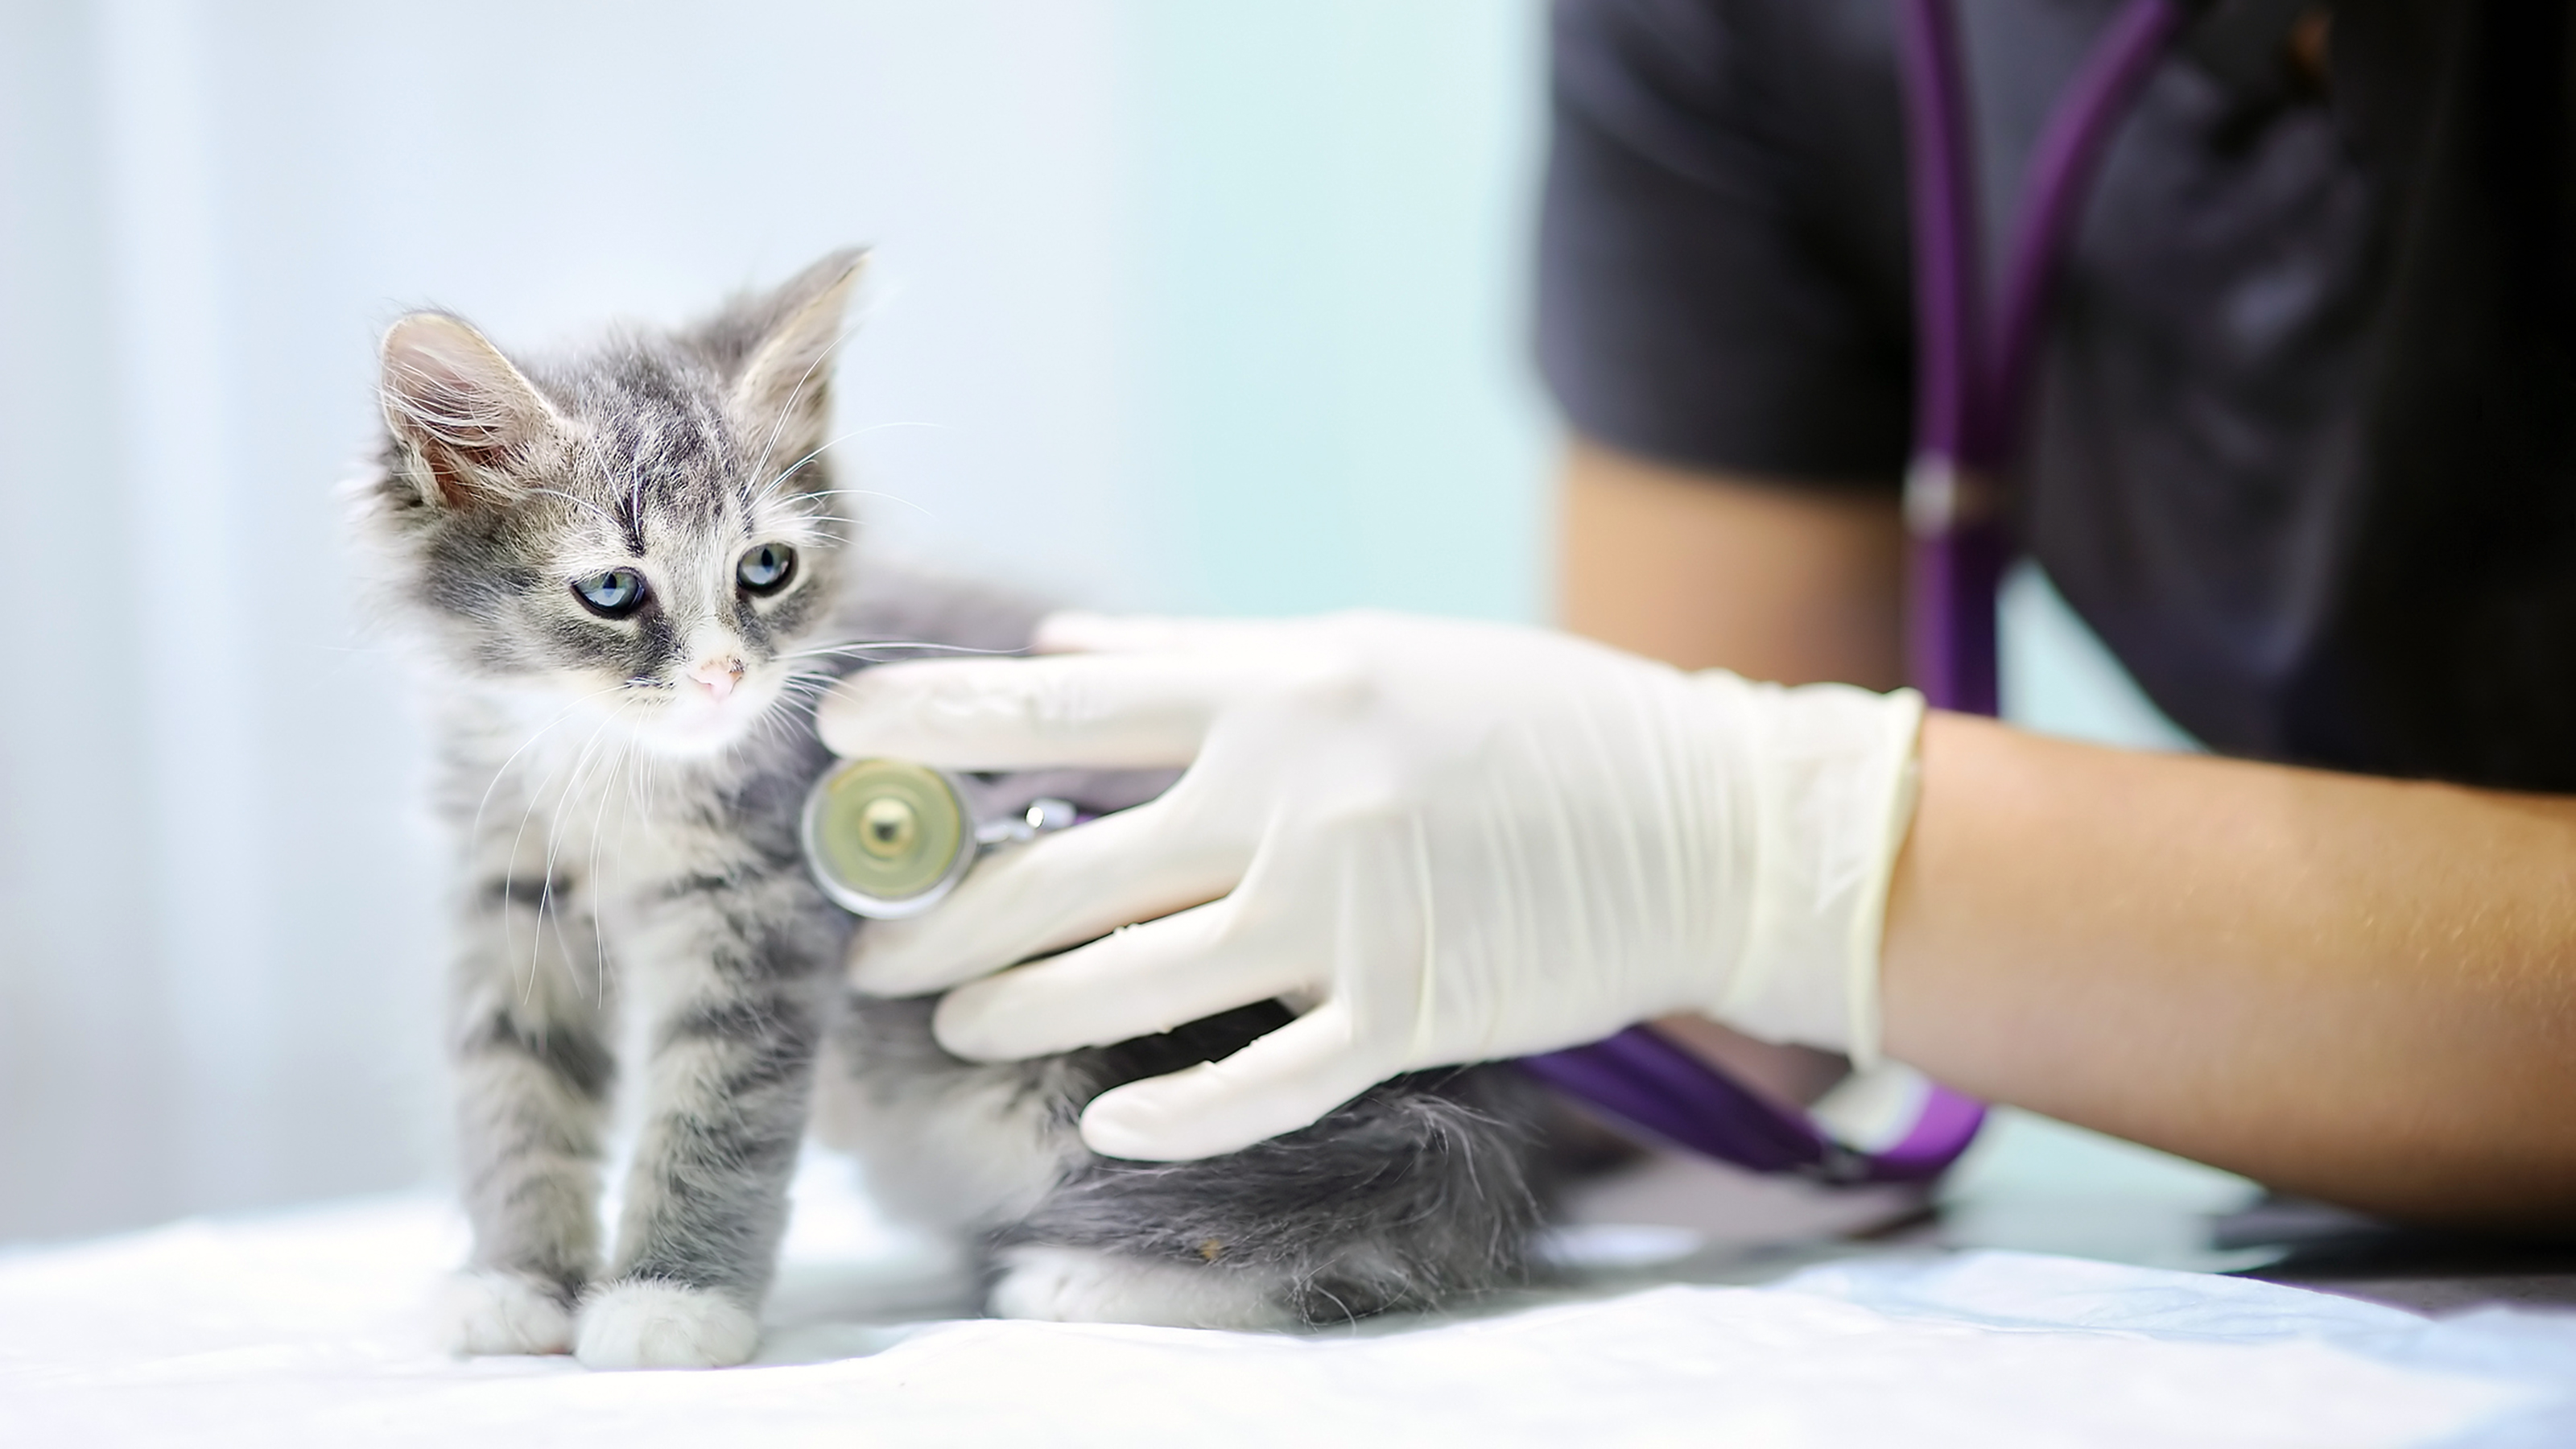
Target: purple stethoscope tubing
(1972,372)
(1971,378)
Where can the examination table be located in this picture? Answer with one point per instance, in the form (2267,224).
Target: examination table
(1790,1318)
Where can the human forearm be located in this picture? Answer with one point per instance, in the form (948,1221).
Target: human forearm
(1773,579)
(2360,989)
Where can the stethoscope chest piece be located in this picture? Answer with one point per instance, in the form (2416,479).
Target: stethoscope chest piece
(890,838)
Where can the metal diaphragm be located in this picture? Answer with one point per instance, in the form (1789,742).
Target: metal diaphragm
(887,838)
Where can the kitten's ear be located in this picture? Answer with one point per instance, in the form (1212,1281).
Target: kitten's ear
(458,404)
(782,398)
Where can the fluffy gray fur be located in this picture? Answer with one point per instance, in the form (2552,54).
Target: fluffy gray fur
(624,792)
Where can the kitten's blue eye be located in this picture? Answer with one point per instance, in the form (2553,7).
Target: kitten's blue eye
(766,569)
(612,595)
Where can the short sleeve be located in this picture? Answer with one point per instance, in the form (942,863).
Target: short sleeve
(1715,283)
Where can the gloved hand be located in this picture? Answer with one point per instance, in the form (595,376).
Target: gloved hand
(1438,841)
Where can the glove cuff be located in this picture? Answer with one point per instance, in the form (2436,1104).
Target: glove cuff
(1832,774)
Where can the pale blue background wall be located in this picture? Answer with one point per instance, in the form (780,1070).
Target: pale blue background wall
(1179,305)
(1336,199)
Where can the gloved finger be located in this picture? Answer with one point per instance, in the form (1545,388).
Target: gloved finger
(1279,1083)
(1109,710)
(1054,891)
(1076,631)
(1139,981)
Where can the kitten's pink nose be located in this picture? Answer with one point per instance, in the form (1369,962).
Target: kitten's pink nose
(717,676)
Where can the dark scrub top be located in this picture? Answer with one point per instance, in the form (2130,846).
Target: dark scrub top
(2303,445)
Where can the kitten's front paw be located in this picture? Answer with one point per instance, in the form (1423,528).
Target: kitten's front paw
(486,1310)
(645,1324)
(1085,1285)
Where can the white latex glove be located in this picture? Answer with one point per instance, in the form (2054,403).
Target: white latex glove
(1440,842)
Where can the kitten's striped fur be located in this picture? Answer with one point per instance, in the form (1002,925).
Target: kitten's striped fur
(625,821)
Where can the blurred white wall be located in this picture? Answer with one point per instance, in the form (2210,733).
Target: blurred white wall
(1179,305)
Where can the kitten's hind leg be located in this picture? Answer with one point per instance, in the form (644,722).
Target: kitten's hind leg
(1089,1285)
(532,1079)
(741,972)
(1420,1192)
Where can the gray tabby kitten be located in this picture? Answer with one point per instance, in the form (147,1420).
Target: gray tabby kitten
(625,578)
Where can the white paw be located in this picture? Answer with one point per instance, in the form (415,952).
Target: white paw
(1084,1285)
(485,1310)
(663,1325)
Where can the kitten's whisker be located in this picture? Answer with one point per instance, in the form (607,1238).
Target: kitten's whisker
(571,798)
(805,688)
(778,425)
(864,492)
(598,834)
(770,489)
(554,843)
(922,509)
(607,791)
(770,726)
(509,880)
(809,530)
(852,646)
(475,831)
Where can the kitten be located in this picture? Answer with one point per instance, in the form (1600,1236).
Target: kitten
(623,571)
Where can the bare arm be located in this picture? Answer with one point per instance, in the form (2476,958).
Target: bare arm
(2356,988)
(1781,582)
(2359,989)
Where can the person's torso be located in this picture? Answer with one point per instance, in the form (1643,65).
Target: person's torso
(2302,446)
